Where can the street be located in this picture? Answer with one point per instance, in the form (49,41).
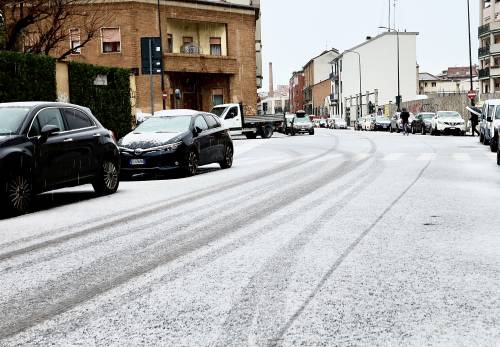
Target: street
(342,238)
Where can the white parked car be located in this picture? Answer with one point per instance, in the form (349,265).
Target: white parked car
(490,122)
(448,122)
(339,123)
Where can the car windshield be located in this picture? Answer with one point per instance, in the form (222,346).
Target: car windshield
(218,111)
(448,115)
(302,120)
(382,119)
(11,119)
(427,115)
(171,124)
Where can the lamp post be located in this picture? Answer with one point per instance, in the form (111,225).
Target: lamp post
(398,98)
(470,56)
(161,61)
(360,81)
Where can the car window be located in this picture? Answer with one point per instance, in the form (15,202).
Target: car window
(490,111)
(233,112)
(212,123)
(76,119)
(201,123)
(48,116)
(497,112)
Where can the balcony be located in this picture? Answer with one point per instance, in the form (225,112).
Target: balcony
(483,51)
(495,48)
(495,71)
(334,77)
(197,63)
(483,30)
(484,73)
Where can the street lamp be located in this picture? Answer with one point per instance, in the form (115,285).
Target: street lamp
(360,80)
(398,98)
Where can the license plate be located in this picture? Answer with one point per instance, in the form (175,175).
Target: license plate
(137,162)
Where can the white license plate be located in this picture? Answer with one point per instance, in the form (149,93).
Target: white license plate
(452,128)
(137,162)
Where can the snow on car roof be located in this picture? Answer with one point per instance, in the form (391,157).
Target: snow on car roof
(171,113)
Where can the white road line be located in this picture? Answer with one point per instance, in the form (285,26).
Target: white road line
(393,156)
(427,157)
(461,156)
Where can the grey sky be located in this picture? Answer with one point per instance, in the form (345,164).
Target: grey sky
(294,31)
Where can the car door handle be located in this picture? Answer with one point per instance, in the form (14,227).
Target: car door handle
(97,135)
(69,139)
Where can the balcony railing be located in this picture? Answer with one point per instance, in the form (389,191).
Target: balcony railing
(483,30)
(484,73)
(484,51)
(191,48)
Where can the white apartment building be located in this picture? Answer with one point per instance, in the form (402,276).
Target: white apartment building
(379,70)
(489,46)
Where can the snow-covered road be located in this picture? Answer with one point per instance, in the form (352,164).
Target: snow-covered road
(343,238)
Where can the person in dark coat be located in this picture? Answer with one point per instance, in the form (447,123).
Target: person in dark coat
(405,118)
(474,120)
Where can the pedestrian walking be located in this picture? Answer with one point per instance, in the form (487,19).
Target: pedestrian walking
(474,120)
(405,117)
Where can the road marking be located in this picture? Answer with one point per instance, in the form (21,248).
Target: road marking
(427,157)
(461,156)
(393,156)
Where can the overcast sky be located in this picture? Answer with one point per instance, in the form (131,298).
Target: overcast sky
(293,31)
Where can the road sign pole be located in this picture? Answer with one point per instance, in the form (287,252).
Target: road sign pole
(151,76)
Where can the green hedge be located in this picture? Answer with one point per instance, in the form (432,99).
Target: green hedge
(109,103)
(27,77)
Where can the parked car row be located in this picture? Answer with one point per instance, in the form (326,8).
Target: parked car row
(489,126)
(46,146)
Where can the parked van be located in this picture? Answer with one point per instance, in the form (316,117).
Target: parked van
(489,123)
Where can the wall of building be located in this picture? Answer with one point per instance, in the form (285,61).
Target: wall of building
(321,91)
(379,68)
(447,86)
(323,66)
(138,19)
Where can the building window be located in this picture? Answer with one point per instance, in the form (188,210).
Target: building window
(111,40)
(170,43)
(215,46)
(217,97)
(433,84)
(74,40)
(187,40)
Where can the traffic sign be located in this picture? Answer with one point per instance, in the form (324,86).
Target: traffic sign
(472,94)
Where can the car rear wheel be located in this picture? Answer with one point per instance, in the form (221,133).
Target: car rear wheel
(481,138)
(191,164)
(390,129)
(267,132)
(311,132)
(423,130)
(107,180)
(228,158)
(498,158)
(413,130)
(19,194)
(494,143)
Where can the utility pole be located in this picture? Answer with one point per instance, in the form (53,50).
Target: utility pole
(163,92)
(151,92)
(470,55)
(389,23)
(360,81)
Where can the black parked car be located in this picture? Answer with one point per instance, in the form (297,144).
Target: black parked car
(176,139)
(46,146)
(422,123)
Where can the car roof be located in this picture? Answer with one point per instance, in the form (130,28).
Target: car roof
(173,113)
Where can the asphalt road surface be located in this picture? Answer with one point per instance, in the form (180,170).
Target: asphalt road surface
(343,238)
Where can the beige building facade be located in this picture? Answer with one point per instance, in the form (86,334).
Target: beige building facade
(489,46)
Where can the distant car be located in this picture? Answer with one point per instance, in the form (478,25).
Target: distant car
(369,123)
(323,124)
(339,123)
(447,122)
(46,146)
(176,139)
(358,123)
(395,121)
(422,123)
(382,123)
(301,124)
(488,111)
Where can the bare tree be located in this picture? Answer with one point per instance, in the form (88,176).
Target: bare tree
(40,26)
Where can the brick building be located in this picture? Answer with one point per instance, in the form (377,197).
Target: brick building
(209,51)
(296,92)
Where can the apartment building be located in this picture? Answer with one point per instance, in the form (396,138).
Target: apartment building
(318,84)
(209,51)
(296,91)
(376,59)
(489,46)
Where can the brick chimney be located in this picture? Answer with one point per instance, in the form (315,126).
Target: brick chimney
(271,80)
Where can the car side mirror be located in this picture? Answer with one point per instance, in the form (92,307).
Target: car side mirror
(489,119)
(49,130)
(197,131)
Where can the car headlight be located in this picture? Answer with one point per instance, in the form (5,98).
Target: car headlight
(170,147)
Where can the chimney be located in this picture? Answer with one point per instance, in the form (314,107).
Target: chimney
(271,80)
